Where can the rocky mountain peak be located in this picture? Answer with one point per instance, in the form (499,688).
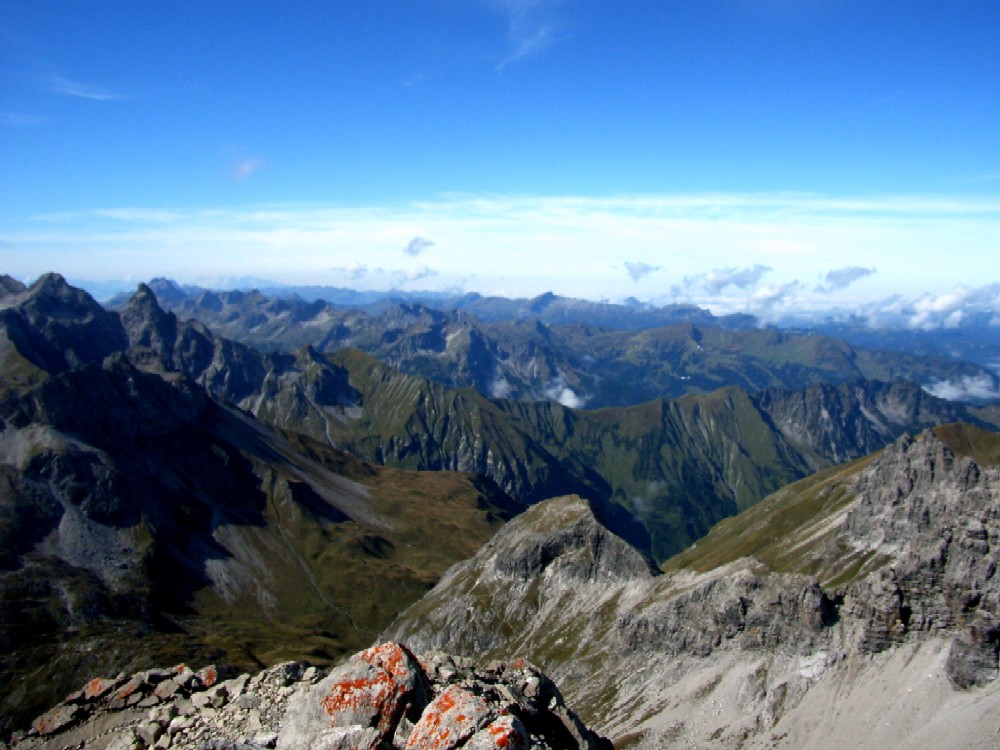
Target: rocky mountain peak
(147,324)
(563,538)
(64,326)
(167,290)
(52,295)
(10,287)
(916,493)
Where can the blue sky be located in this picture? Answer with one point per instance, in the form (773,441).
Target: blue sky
(770,155)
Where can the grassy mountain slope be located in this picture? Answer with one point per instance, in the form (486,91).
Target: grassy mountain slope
(678,466)
(793,530)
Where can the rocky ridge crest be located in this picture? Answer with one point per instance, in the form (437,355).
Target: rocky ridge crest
(382,698)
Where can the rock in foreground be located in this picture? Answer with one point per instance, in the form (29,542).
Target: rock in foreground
(384,697)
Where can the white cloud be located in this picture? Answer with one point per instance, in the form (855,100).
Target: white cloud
(768,297)
(524,46)
(413,274)
(558,390)
(718,279)
(532,27)
(500,387)
(953,319)
(637,270)
(979,388)
(957,307)
(62,85)
(841,278)
(930,312)
(417,245)
(140,215)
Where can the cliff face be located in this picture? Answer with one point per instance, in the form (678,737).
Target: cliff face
(880,592)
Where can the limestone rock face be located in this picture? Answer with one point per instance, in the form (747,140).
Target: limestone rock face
(383,698)
(728,655)
(937,518)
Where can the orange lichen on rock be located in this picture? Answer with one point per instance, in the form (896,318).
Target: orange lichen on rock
(128,688)
(450,720)
(55,719)
(379,684)
(208,676)
(506,733)
(97,687)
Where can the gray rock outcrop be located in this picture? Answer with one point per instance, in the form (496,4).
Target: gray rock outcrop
(382,698)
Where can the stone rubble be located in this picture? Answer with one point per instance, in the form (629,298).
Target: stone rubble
(382,698)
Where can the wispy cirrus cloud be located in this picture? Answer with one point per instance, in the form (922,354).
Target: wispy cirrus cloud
(527,46)
(60,84)
(244,169)
(21,120)
(532,26)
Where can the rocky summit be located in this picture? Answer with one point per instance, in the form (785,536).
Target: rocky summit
(382,698)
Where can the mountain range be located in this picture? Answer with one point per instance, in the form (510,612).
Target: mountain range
(173,494)
(675,465)
(597,357)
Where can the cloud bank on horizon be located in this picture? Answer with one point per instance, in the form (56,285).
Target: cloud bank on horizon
(679,249)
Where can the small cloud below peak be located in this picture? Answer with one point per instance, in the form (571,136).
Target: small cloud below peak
(975,388)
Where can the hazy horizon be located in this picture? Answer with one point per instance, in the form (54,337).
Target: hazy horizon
(778,158)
